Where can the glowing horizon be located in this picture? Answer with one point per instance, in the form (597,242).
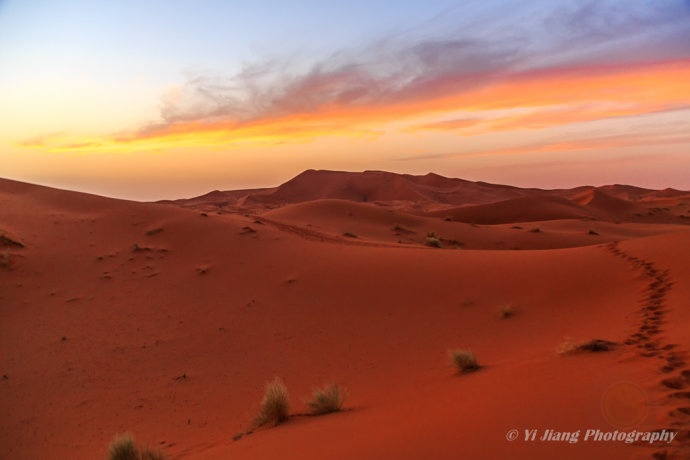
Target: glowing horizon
(461,92)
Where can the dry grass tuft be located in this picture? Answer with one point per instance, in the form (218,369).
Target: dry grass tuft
(570,347)
(124,447)
(326,400)
(275,405)
(464,360)
(433,240)
(398,228)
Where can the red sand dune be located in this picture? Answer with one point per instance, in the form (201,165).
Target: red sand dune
(368,186)
(368,224)
(166,322)
(431,192)
(523,209)
(607,204)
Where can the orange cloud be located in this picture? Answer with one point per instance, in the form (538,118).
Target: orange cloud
(572,96)
(580,144)
(551,97)
(655,84)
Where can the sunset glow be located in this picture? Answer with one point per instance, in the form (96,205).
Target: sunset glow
(439,97)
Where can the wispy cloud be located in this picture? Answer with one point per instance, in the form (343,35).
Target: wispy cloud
(41,140)
(549,116)
(357,91)
(383,75)
(639,136)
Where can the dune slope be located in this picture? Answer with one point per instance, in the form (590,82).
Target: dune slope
(167,322)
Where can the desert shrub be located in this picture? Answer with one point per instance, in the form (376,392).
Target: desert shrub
(464,360)
(535,230)
(432,240)
(326,400)
(569,347)
(401,229)
(276,404)
(124,447)
(349,235)
(596,345)
(154,231)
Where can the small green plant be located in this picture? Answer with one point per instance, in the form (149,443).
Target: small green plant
(124,447)
(275,406)
(464,360)
(326,400)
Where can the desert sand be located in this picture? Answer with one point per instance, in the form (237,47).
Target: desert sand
(166,319)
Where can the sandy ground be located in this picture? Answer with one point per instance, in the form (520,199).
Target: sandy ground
(166,320)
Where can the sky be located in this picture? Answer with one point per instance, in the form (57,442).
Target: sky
(156,99)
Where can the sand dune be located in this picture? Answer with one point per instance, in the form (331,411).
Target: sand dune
(436,195)
(523,209)
(167,321)
(349,222)
(608,204)
(368,186)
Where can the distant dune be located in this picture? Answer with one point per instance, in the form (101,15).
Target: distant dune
(167,319)
(437,195)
